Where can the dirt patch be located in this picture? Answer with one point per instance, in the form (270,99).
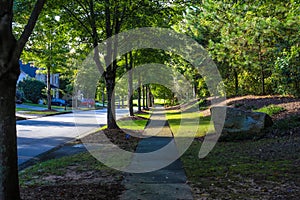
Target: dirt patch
(117,137)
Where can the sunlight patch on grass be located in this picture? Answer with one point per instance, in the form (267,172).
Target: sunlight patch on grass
(146,115)
(132,124)
(41,112)
(270,109)
(189,123)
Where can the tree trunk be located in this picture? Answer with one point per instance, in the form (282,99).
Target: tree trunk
(150,98)
(10,52)
(130,87)
(48,88)
(144,104)
(111,111)
(195,87)
(9,188)
(146,96)
(139,94)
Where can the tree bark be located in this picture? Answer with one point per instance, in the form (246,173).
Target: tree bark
(144,103)
(9,187)
(130,87)
(111,110)
(48,88)
(10,52)
(139,94)
(146,97)
(151,98)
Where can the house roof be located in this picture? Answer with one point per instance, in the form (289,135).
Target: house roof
(27,69)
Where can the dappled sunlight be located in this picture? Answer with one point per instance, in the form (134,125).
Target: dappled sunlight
(189,124)
(132,124)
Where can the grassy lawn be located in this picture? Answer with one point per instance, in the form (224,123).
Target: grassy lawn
(270,109)
(80,176)
(189,120)
(132,124)
(35,112)
(145,115)
(37,174)
(243,170)
(22,109)
(156,101)
(42,106)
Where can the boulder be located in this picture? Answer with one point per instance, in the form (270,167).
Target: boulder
(239,124)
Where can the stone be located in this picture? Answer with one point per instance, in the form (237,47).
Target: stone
(239,124)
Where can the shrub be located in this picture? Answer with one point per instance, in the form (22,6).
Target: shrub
(20,95)
(32,89)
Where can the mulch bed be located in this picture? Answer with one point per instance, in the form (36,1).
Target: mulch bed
(73,191)
(289,103)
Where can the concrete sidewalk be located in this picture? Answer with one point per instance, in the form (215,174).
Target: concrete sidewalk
(166,183)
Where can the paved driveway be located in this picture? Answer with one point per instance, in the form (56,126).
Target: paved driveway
(37,136)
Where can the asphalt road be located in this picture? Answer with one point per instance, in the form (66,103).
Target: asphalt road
(37,136)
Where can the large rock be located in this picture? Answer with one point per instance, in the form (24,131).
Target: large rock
(239,124)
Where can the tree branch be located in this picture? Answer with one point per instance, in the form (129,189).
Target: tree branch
(30,26)
(77,19)
(95,39)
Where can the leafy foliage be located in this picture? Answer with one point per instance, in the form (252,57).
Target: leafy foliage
(32,89)
(255,45)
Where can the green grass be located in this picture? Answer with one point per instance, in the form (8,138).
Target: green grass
(186,123)
(146,115)
(156,101)
(270,109)
(23,109)
(79,162)
(159,101)
(231,166)
(132,124)
(35,112)
(287,124)
(43,106)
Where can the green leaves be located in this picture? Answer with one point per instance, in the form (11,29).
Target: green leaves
(246,38)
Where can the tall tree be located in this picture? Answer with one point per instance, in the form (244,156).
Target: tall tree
(248,41)
(48,47)
(10,52)
(101,20)
(129,66)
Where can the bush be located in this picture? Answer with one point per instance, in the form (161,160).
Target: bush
(20,95)
(32,89)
